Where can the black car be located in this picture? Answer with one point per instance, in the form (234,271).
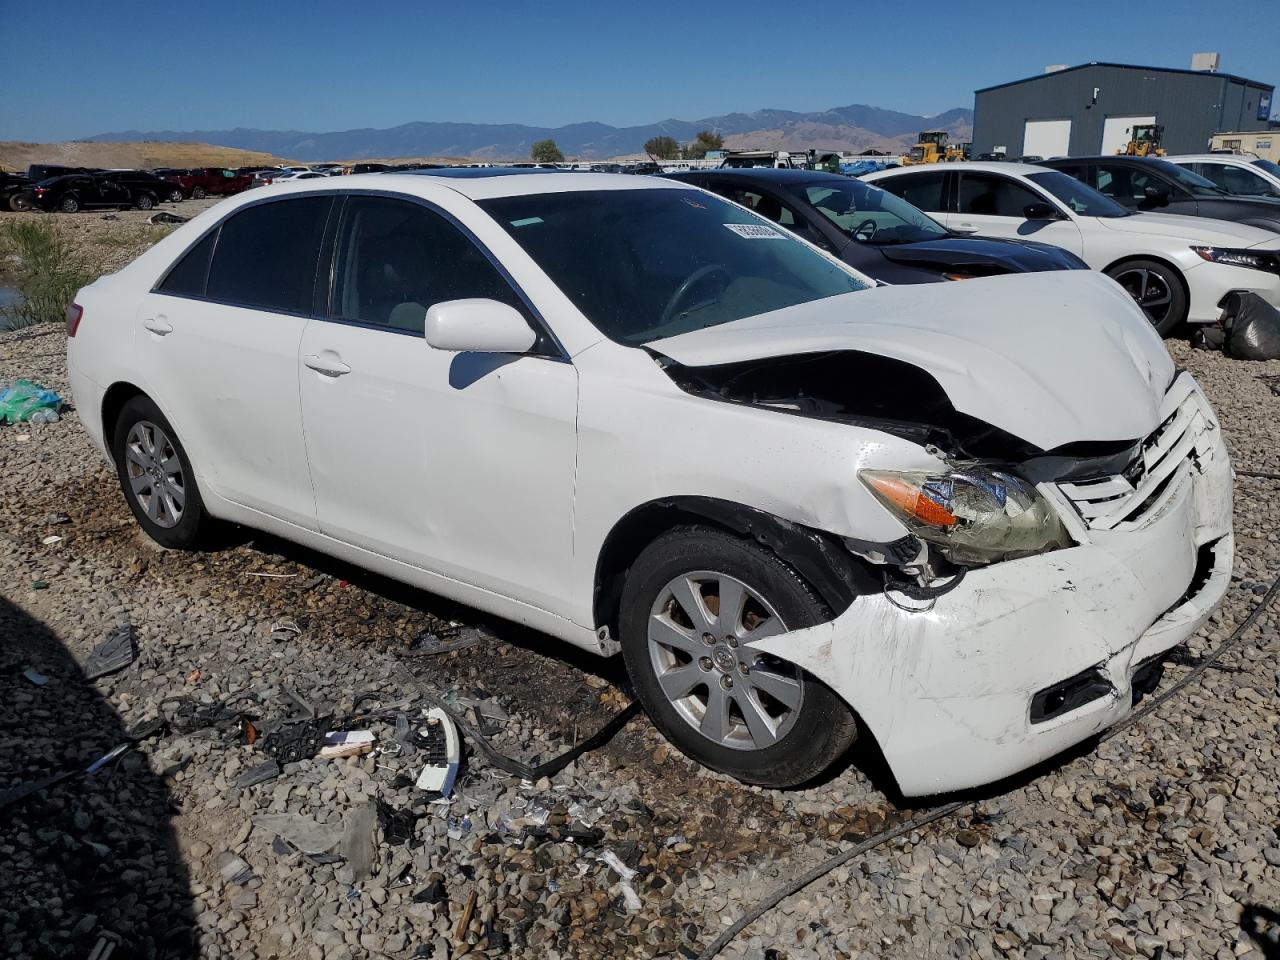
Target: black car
(140,184)
(1149,184)
(15,192)
(85,191)
(45,171)
(872,230)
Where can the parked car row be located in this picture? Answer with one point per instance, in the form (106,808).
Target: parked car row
(964,519)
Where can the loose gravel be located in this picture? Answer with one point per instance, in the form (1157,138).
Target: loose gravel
(1160,842)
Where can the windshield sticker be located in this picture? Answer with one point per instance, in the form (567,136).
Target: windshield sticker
(754,231)
(526,222)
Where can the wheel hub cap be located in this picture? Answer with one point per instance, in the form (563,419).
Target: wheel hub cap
(154,472)
(700,629)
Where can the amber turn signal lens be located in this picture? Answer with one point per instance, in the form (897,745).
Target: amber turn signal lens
(911,500)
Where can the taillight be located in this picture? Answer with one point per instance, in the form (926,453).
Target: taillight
(74,313)
(41,191)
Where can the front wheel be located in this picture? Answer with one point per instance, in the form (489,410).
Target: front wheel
(69,204)
(156,476)
(1156,289)
(145,201)
(198,193)
(692,602)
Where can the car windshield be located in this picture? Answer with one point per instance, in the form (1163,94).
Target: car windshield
(869,214)
(1267,165)
(1080,197)
(652,263)
(1191,182)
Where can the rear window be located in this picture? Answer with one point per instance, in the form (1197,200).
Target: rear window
(266,255)
(921,190)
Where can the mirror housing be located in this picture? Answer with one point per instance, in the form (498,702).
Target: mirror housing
(478,326)
(1157,195)
(1040,211)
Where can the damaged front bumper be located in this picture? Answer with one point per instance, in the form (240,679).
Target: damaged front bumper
(1026,658)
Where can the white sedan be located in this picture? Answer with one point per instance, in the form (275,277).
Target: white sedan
(645,420)
(1238,174)
(1177,268)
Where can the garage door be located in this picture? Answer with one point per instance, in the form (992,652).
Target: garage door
(1046,138)
(1117,130)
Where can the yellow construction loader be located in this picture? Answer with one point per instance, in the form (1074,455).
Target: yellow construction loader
(934,146)
(1145,140)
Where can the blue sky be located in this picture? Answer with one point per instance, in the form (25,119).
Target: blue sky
(76,68)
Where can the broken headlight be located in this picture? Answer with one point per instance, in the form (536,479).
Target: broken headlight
(973,516)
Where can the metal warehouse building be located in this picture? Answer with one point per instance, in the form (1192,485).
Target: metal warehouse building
(1090,109)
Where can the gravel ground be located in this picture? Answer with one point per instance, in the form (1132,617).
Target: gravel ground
(1151,844)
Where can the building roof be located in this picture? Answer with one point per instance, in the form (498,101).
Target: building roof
(1130,66)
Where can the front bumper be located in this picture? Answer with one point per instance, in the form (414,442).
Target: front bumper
(947,691)
(1210,282)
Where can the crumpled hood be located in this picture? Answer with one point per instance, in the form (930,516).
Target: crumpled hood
(1195,230)
(1052,358)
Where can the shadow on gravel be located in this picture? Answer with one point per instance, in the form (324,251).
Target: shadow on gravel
(91,856)
(1262,924)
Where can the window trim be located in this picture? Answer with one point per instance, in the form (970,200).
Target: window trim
(324,282)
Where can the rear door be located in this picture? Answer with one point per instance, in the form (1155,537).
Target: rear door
(1127,183)
(1236,179)
(218,340)
(926,190)
(461,464)
(993,205)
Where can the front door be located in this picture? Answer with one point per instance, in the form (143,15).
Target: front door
(461,464)
(219,338)
(992,205)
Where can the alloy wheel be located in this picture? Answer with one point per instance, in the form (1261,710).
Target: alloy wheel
(699,628)
(1149,290)
(155,473)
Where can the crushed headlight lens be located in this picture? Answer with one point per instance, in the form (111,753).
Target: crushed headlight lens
(976,515)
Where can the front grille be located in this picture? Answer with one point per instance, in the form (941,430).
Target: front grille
(1183,442)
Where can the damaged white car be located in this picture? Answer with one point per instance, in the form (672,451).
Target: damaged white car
(641,418)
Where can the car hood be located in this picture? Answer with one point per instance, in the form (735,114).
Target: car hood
(1219,233)
(1052,358)
(1020,256)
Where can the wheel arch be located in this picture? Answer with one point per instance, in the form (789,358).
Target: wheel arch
(113,401)
(1155,258)
(836,575)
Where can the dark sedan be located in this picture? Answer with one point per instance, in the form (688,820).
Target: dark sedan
(1149,184)
(83,192)
(874,231)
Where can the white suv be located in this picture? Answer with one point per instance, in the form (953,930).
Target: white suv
(641,418)
(1177,268)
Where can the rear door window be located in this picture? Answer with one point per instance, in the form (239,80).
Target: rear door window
(1237,180)
(922,190)
(266,255)
(187,277)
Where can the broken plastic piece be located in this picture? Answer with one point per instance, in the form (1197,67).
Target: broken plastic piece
(283,630)
(259,774)
(398,826)
(357,841)
(233,869)
(438,740)
(629,898)
(51,540)
(433,892)
(106,946)
(429,645)
(39,679)
(346,743)
(164,216)
(116,652)
(296,740)
(302,832)
(616,865)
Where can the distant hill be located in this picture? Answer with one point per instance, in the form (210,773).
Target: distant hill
(855,127)
(18,155)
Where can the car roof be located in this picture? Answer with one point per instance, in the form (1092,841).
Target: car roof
(523,182)
(979,166)
(764,174)
(1215,157)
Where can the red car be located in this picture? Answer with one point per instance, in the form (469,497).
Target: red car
(202,182)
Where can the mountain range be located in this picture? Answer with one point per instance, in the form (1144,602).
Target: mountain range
(855,127)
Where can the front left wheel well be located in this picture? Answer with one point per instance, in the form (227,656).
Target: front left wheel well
(817,557)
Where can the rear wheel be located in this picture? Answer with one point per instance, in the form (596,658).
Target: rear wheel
(145,201)
(198,193)
(69,204)
(693,601)
(175,195)
(21,201)
(156,476)
(1156,289)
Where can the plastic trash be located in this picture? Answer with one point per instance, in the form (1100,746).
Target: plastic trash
(438,740)
(116,652)
(1253,327)
(25,402)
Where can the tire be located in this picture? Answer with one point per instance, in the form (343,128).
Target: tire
(175,195)
(145,201)
(198,193)
(140,428)
(68,204)
(21,201)
(805,728)
(1157,289)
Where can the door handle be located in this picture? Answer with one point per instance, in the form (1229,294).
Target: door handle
(158,325)
(329,367)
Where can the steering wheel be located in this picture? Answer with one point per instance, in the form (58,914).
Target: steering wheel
(867,226)
(689,283)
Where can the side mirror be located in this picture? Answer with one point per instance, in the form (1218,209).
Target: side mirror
(1039,211)
(1157,195)
(478,326)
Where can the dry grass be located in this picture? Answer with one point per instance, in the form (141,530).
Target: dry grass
(17,155)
